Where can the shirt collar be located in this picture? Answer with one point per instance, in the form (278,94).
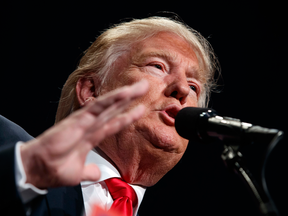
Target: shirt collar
(109,171)
(106,168)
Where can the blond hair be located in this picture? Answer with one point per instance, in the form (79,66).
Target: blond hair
(98,59)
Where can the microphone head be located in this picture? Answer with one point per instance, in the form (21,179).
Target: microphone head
(187,122)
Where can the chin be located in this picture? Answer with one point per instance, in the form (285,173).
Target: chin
(168,140)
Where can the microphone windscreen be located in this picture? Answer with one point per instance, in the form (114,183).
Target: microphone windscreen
(186,122)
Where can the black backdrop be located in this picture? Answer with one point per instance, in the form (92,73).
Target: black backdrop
(41,44)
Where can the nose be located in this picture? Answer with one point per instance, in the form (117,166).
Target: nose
(178,88)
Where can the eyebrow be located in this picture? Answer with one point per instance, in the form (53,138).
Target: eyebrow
(160,54)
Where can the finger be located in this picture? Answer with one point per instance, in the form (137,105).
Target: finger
(126,92)
(132,91)
(87,120)
(107,115)
(116,124)
(112,111)
(91,172)
(139,88)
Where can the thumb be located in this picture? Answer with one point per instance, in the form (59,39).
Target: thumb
(90,172)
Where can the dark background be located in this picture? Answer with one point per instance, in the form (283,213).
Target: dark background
(41,44)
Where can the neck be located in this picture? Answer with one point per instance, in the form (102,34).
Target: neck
(139,163)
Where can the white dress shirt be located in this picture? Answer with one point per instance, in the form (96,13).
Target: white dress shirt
(97,192)
(93,192)
(27,191)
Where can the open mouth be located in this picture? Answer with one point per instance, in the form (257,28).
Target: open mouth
(169,114)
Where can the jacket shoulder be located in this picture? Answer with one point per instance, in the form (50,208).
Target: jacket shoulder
(11,132)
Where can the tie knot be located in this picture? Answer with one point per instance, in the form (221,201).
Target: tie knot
(118,188)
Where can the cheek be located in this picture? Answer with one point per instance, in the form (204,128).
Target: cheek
(192,101)
(155,94)
(153,130)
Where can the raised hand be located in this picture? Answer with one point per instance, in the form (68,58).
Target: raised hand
(57,157)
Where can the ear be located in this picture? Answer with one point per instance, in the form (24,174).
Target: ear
(85,90)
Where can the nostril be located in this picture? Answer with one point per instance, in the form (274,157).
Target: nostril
(174,94)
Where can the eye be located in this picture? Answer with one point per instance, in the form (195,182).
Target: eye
(193,88)
(158,66)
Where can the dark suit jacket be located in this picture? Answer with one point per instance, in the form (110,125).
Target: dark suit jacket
(62,201)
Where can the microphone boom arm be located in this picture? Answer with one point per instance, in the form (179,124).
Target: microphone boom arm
(234,160)
(205,126)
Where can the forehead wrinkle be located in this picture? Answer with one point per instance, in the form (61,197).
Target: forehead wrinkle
(138,55)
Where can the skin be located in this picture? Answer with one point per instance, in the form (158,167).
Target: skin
(147,149)
(57,157)
(132,126)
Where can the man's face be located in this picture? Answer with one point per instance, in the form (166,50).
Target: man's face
(149,148)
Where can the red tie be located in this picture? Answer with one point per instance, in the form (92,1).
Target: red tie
(123,195)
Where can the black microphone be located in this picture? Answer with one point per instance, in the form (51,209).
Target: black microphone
(204,125)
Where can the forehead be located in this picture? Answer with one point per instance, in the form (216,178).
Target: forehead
(168,46)
(165,41)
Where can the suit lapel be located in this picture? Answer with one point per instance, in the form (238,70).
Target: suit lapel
(66,201)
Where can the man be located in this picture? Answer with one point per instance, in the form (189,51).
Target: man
(127,131)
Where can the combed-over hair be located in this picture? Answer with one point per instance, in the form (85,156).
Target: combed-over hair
(98,59)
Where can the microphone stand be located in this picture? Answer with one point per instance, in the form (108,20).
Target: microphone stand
(234,160)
